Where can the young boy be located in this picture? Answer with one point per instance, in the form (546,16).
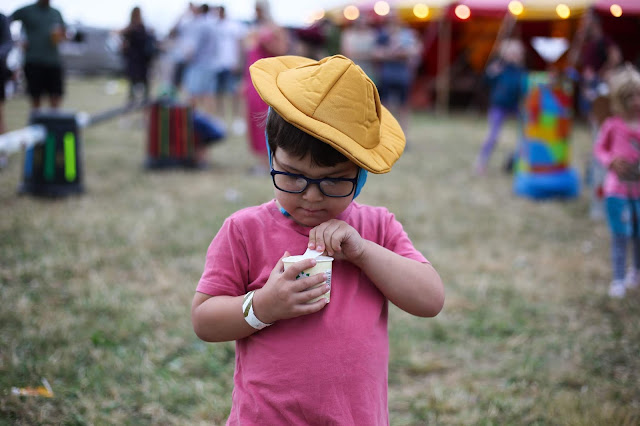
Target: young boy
(319,362)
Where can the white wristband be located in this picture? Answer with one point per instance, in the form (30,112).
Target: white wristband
(249,315)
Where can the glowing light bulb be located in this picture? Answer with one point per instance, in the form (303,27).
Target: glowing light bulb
(616,10)
(421,10)
(515,7)
(351,12)
(381,8)
(462,11)
(563,11)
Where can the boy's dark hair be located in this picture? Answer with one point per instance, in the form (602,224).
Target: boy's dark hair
(282,134)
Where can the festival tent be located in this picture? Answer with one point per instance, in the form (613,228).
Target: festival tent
(474,30)
(623,27)
(459,36)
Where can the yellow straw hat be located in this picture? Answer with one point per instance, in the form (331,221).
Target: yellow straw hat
(334,101)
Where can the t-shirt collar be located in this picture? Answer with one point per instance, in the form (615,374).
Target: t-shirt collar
(288,222)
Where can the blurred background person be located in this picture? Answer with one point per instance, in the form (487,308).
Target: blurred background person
(44,29)
(229,35)
(138,50)
(358,43)
(318,40)
(398,52)
(6,44)
(265,39)
(505,76)
(201,49)
(598,57)
(177,41)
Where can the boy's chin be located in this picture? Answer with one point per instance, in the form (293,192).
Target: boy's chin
(305,221)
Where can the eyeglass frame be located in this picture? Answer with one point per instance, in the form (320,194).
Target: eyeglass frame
(354,181)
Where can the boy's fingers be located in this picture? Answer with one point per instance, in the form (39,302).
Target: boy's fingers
(296,268)
(331,241)
(314,292)
(305,284)
(313,238)
(317,238)
(280,264)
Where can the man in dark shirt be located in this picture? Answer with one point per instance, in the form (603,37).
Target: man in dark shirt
(44,29)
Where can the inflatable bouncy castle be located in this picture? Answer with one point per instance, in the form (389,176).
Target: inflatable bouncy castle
(542,167)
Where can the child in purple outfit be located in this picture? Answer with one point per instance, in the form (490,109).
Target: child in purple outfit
(617,147)
(505,77)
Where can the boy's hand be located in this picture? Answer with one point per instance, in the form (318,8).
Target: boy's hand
(284,296)
(337,239)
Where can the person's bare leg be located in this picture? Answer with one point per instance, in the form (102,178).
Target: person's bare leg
(202,158)
(55,101)
(2,128)
(35,103)
(209,104)
(219,100)
(4,157)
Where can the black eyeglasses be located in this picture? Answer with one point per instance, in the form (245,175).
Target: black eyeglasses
(296,184)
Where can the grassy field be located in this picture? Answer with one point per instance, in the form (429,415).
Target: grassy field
(96,289)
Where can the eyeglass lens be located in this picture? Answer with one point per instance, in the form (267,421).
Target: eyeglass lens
(297,184)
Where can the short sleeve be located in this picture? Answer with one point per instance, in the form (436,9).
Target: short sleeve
(397,240)
(18,15)
(226,264)
(61,20)
(602,145)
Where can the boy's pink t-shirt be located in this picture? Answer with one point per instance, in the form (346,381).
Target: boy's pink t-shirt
(330,367)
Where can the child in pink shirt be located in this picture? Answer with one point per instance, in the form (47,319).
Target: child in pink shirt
(617,147)
(314,363)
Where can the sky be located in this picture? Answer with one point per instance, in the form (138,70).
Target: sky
(162,14)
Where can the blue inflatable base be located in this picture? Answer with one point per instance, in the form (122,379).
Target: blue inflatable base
(564,184)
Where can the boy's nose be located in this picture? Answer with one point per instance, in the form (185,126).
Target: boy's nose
(313,193)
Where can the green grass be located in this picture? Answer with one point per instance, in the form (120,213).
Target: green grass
(96,289)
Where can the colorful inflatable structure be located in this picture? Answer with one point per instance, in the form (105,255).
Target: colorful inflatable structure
(542,165)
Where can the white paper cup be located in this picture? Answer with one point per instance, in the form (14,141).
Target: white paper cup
(323,265)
